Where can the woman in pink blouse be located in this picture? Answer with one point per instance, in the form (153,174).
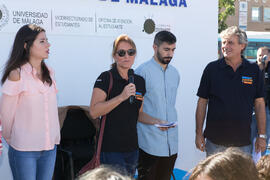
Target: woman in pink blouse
(1,145)
(28,107)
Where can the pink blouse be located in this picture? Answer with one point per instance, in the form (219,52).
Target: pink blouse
(28,112)
(1,145)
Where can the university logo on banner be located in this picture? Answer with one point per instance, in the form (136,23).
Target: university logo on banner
(4,16)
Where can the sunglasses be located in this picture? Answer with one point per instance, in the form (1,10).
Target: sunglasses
(130,52)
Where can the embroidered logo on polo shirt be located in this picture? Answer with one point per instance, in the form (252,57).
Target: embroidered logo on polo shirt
(139,96)
(247,80)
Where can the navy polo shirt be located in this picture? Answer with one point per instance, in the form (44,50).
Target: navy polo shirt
(120,133)
(231,97)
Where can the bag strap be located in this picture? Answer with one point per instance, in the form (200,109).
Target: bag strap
(103,120)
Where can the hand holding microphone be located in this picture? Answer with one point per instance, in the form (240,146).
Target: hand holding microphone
(130,89)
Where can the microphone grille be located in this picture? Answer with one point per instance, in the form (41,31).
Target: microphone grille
(130,72)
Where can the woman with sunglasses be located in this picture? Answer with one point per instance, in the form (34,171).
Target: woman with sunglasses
(28,107)
(120,142)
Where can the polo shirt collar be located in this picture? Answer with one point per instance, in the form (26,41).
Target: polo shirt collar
(244,62)
(116,73)
(223,64)
(158,65)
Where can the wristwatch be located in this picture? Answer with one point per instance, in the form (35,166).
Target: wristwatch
(262,136)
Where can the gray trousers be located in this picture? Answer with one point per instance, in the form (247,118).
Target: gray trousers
(212,148)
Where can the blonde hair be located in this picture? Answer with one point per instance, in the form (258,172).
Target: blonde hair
(231,164)
(263,167)
(121,38)
(103,173)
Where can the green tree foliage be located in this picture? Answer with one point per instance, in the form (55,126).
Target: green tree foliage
(225,9)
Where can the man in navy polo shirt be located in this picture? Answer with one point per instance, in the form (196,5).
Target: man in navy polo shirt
(230,87)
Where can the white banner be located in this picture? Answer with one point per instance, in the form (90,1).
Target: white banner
(67,21)
(84,21)
(16,15)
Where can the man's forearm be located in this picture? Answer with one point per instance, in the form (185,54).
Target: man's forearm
(200,115)
(147,119)
(260,115)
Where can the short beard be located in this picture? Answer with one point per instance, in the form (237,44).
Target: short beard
(162,59)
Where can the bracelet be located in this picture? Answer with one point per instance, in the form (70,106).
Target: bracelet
(262,136)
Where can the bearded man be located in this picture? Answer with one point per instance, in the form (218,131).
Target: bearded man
(158,146)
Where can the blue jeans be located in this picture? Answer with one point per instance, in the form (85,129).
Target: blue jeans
(212,148)
(32,165)
(126,162)
(254,130)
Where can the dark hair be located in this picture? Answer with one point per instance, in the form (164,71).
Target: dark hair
(121,38)
(164,36)
(20,55)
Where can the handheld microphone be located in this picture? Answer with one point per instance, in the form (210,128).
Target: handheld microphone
(131,80)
